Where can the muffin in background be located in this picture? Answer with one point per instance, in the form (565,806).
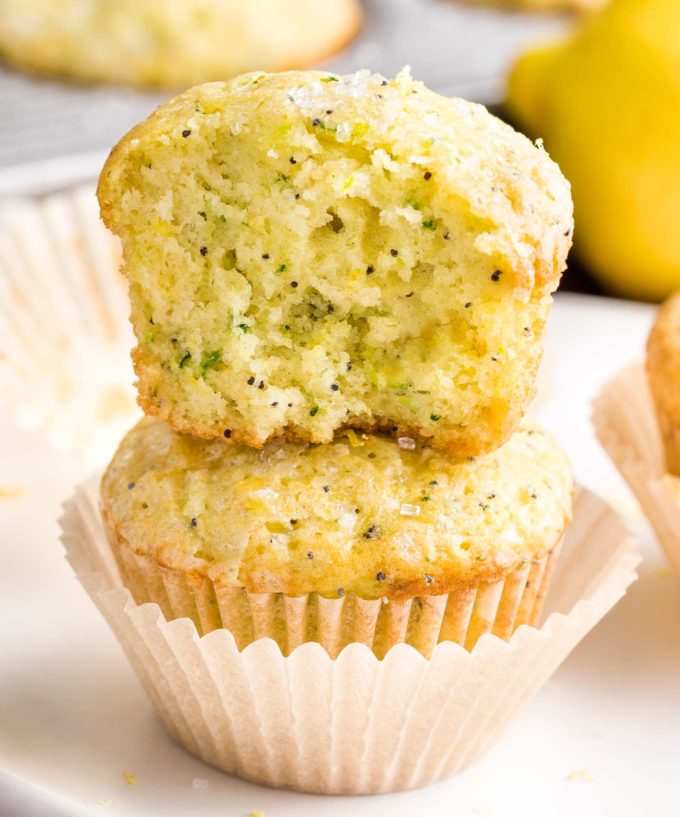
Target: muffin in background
(663,373)
(172,43)
(365,539)
(308,252)
(636,418)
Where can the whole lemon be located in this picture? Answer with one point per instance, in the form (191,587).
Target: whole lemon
(607,103)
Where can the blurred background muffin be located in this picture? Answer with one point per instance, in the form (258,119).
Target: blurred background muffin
(172,43)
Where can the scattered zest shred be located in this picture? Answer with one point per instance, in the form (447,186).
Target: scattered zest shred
(579,774)
(10,491)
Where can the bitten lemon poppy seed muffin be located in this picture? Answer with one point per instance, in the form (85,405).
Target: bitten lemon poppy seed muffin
(172,43)
(308,252)
(364,517)
(663,372)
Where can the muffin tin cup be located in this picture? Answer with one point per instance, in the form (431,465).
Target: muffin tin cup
(353,724)
(627,426)
(65,337)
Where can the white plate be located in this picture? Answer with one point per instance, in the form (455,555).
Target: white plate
(602,738)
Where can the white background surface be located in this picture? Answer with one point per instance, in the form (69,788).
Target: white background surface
(602,738)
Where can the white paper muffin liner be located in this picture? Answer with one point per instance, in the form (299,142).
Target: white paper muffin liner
(461,616)
(65,338)
(354,724)
(626,425)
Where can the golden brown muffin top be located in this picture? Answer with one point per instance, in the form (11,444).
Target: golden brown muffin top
(365,514)
(504,179)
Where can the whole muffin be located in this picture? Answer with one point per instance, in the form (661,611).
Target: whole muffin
(364,539)
(663,372)
(172,43)
(309,252)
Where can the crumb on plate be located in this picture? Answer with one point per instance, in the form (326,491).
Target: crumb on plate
(579,774)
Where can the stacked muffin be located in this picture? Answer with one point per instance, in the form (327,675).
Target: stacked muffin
(339,287)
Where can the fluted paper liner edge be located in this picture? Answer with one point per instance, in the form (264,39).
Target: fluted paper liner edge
(64,311)
(462,616)
(354,724)
(626,425)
